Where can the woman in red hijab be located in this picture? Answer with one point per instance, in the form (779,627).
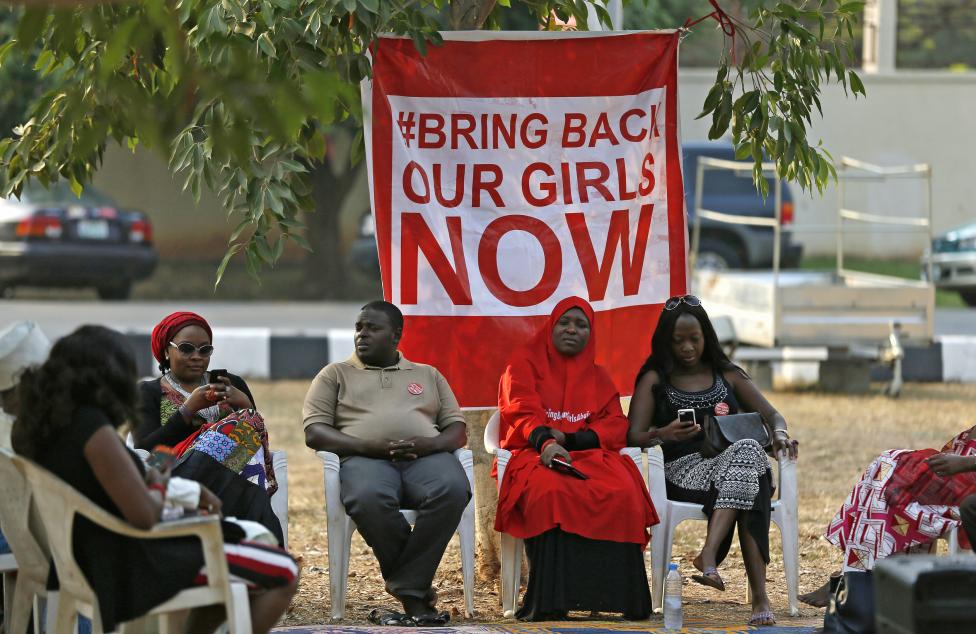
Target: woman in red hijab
(584,538)
(209,420)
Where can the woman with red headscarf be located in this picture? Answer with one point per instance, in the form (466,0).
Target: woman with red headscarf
(210,421)
(584,538)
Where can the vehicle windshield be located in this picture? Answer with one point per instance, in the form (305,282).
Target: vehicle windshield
(60,194)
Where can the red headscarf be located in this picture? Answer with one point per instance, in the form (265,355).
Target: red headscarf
(542,386)
(166,329)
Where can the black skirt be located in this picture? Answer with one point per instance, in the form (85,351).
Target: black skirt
(569,572)
(238,497)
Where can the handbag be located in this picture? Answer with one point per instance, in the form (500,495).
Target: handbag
(721,431)
(851,609)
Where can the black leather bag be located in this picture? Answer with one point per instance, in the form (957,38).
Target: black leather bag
(851,609)
(721,431)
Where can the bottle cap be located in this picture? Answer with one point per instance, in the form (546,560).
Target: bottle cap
(672,566)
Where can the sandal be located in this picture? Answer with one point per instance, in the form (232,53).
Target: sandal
(439,619)
(762,618)
(710,577)
(386,617)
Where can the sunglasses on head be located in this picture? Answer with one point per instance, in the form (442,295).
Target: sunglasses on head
(677,300)
(186,348)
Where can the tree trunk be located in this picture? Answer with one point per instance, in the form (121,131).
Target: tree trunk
(469,15)
(325,268)
(485,497)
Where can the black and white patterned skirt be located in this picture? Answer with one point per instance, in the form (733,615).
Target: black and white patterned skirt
(734,474)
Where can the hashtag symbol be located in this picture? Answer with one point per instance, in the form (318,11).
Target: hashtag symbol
(406,123)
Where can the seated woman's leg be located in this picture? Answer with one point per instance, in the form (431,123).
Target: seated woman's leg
(271,575)
(755,564)
(736,475)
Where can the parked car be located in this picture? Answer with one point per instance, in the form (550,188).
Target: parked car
(723,245)
(734,246)
(50,237)
(953,258)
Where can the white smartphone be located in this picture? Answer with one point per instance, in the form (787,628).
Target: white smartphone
(686,415)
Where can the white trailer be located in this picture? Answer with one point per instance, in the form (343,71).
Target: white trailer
(848,312)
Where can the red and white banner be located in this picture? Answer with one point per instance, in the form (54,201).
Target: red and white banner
(511,170)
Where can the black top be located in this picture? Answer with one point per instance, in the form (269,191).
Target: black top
(151,431)
(669,399)
(129,576)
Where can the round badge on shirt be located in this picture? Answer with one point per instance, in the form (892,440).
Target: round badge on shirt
(416,389)
(721,409)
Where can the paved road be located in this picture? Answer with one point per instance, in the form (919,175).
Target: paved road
(57,318)
(60,317)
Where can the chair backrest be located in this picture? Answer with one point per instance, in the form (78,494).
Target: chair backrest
(21,524)
(491,432)
(58,503)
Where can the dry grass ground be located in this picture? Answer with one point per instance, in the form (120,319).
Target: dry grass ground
(839,435)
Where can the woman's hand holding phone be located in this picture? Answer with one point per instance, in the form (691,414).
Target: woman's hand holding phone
(679,429)
(552,450)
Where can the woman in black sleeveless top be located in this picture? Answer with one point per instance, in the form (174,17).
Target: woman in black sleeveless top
(688,369)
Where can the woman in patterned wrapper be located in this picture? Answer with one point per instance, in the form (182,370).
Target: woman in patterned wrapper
(211,422)
(688,369)
(904,501)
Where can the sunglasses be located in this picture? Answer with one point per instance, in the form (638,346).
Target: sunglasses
(186,349)
(677,300)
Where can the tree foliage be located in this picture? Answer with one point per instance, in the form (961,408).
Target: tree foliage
(240,94)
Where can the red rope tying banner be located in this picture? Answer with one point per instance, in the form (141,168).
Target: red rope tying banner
(724,21)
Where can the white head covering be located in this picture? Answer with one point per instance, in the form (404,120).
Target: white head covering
(22,345)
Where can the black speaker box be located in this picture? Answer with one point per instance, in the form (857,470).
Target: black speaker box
(925,594)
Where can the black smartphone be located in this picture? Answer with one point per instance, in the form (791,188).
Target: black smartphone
(686,415)
(561,465)
(215,375)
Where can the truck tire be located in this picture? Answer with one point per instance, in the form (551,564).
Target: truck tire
(969,297)
(717,256)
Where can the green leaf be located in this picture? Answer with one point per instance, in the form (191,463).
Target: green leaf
(266,46)
(373,6)
(5,50)
(30,27)
(856,85)
(231,252)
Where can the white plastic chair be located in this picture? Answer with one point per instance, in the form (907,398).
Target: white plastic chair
(671,513)
(25,571)
(58,504)
(341,528)
(511,547)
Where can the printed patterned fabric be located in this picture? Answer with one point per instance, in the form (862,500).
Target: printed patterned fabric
(238,441)
(868,528)
(734,473)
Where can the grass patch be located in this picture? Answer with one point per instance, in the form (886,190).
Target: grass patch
(907,269)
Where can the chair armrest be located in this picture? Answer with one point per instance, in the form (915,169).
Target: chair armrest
(634,453)
(466,458)
(787,480)
(502,456)
(656,484)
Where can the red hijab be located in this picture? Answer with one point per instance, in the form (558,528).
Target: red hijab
(542,386)
(166,329)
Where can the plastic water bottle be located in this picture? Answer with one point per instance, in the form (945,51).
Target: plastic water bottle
(672,599)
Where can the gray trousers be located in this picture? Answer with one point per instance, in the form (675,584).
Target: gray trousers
(373,492)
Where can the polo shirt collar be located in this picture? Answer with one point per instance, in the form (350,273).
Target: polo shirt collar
(401,364)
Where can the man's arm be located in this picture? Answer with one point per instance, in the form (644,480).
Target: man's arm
(322,437)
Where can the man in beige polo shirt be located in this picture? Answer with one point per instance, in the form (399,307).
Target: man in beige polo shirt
(394,424)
